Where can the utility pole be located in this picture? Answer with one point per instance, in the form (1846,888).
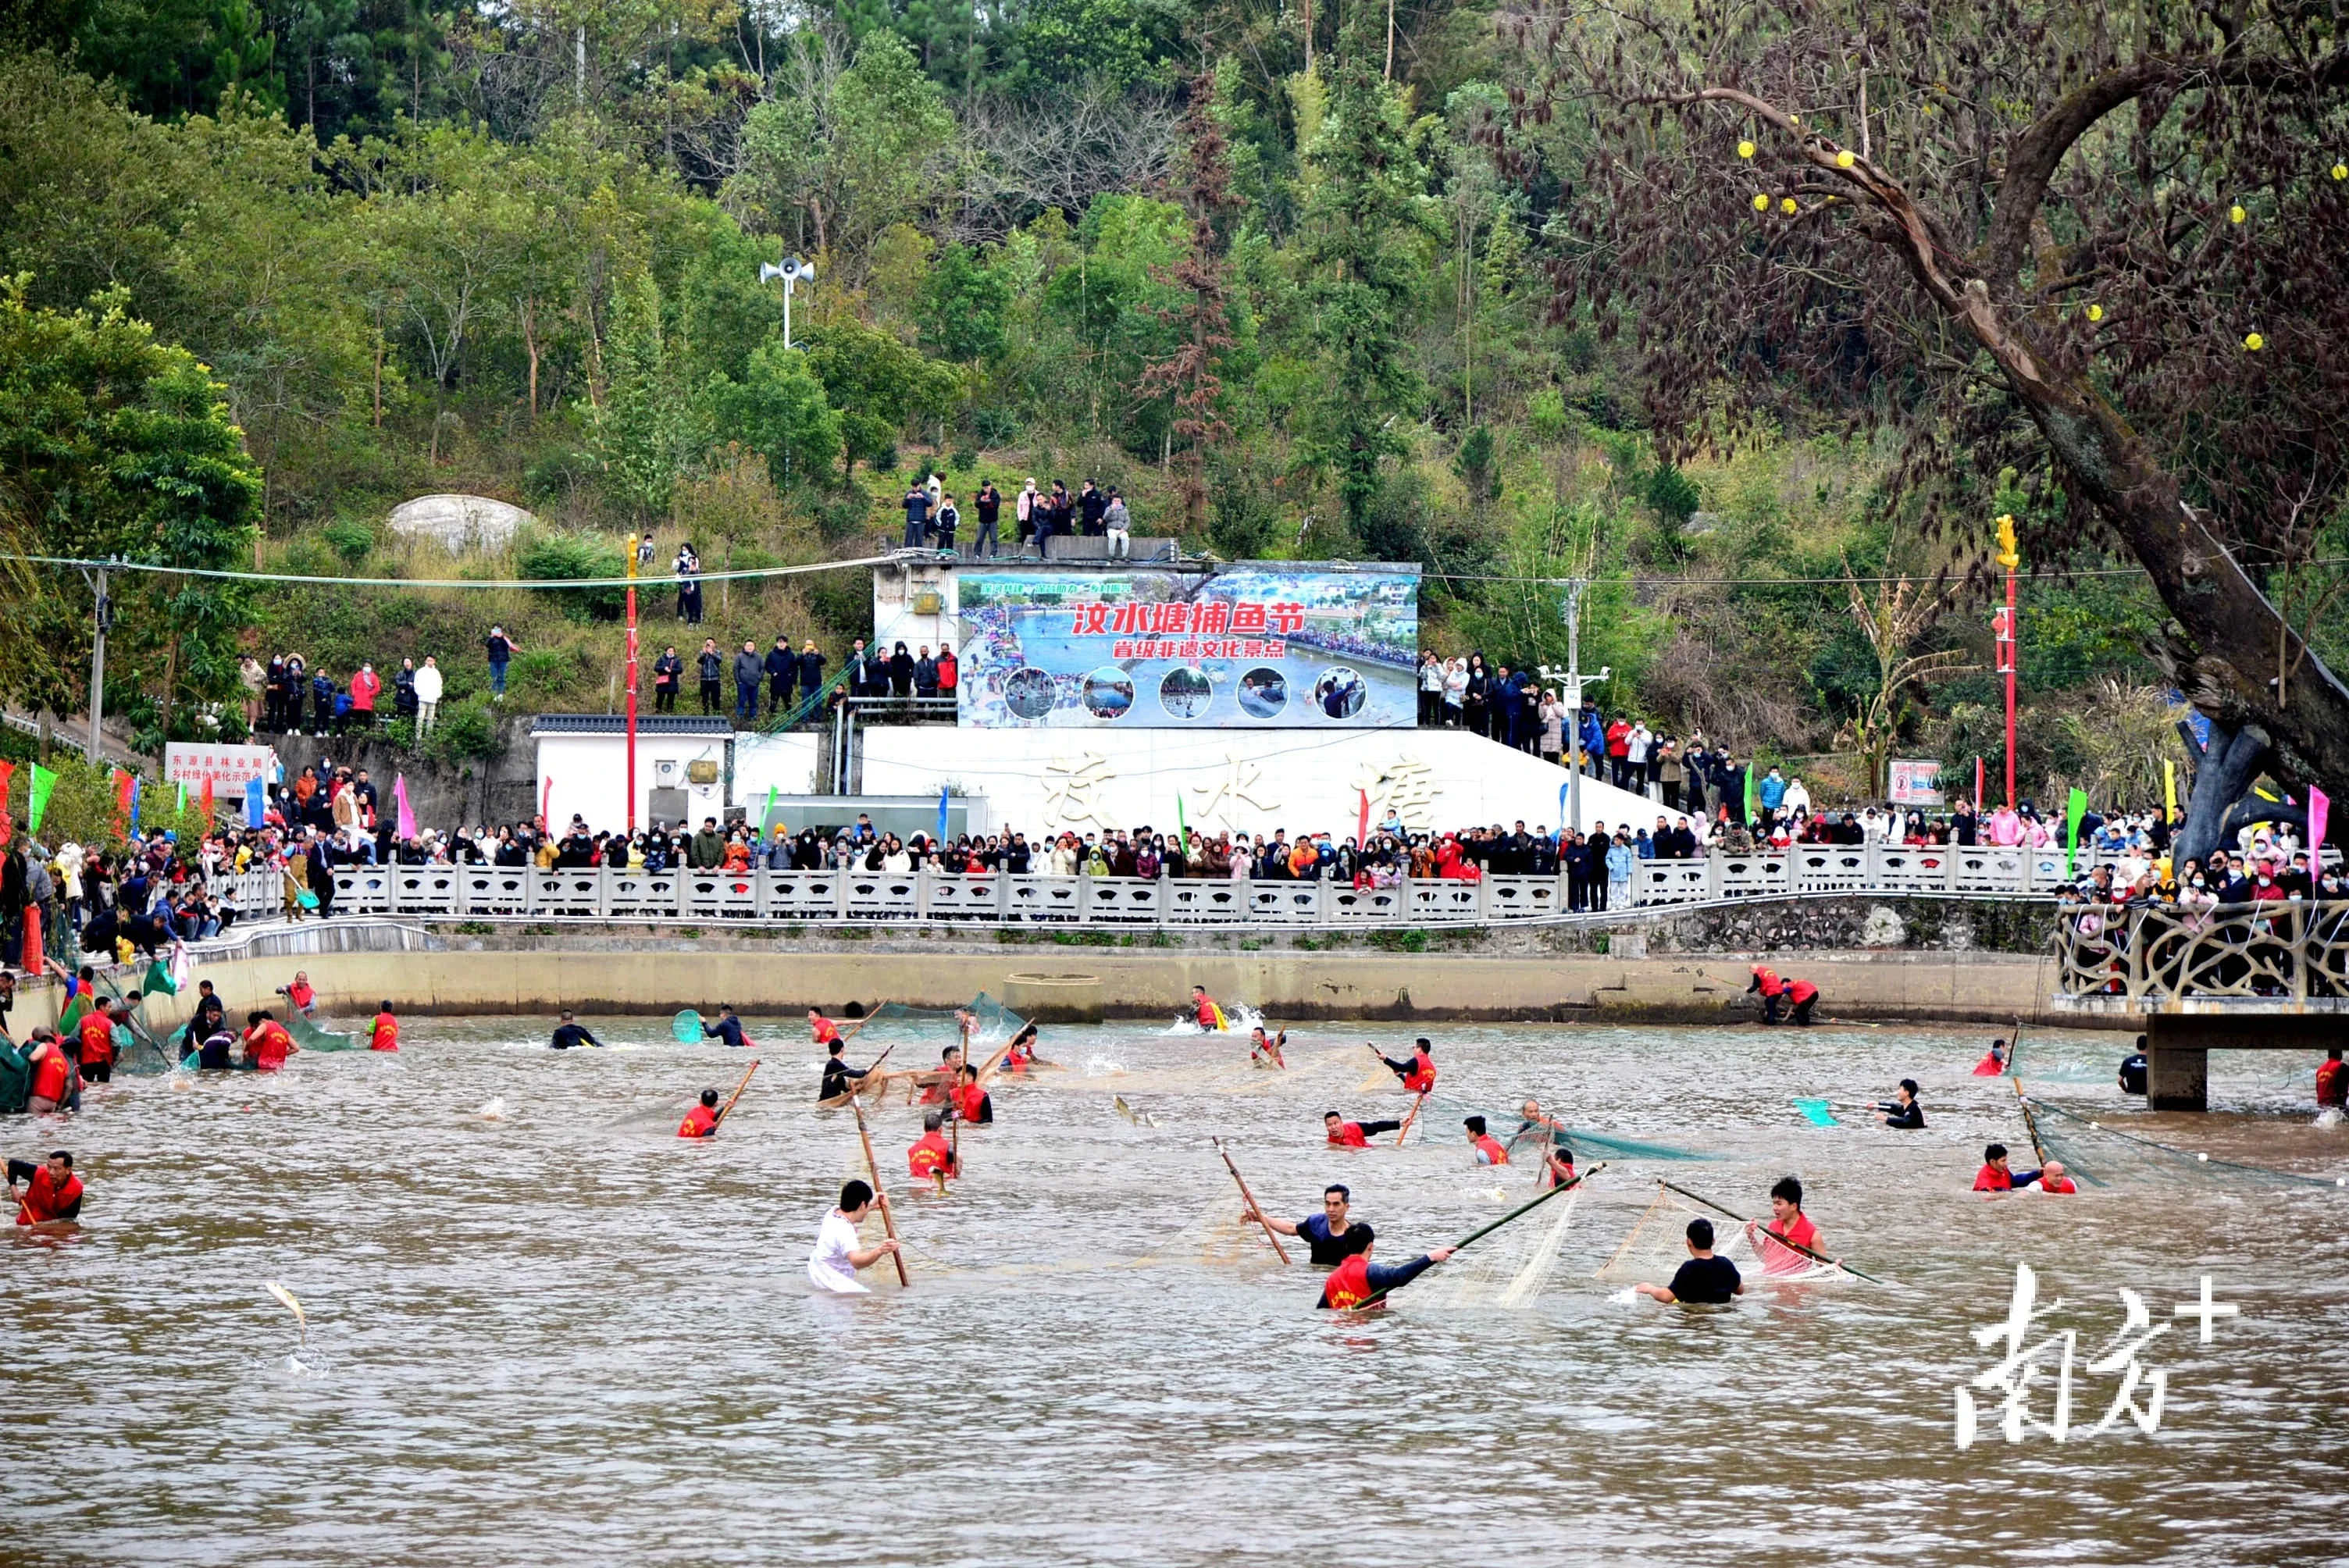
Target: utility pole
(632,685)
(98,664)
(1575,588)
(2002,622)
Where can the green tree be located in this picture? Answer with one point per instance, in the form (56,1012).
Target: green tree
(960,307)
(1360,268)
(879,384)
(113,444)
(777,410)
(643,429)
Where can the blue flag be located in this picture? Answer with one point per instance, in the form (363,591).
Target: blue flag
(255,812)
(942,813)
(1562,823)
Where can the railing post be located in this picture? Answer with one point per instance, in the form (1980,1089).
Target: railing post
(1003,898)
(840,881)
(2304,951)
(603,892)
(1712,877)
(463,897)
(1320,901)
(1485,900)
(1165,896)
(1084,893)
(2136,928)
(922,893)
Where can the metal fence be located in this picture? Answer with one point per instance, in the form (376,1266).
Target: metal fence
(2287,953)
(518,893)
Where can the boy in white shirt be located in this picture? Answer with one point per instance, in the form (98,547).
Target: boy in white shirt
(836,1257)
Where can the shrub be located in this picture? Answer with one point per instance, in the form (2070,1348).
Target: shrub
(560,557)
(465,732)
(350,539)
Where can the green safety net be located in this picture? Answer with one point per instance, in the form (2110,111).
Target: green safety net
(920,1033)
(1586,1145)
(2098,1154)
(311,1037)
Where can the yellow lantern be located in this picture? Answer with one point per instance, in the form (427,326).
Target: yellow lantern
(2254,342)
(2095,312)
(1744,149)
(2009,556)
(2341,171)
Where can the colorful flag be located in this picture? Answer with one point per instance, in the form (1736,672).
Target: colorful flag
(1563,825)
(180,801)
(405,826)
(767,817)
(2073,809)
(2320,812)
(1752,799)
(942,813)
(1182,826)
(205,804)
(1363,832)
(256,809)
(43,782)
(7,773)
(2169,790)
(126,800)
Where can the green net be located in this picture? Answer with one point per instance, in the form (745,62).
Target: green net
(1527,1137)
(2098,1154)
(311,1037)
(919,1036)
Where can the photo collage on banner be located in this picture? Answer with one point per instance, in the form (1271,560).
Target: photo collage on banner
(1240,646)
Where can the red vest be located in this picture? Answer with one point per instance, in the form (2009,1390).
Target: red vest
(1800,991)
(1769,982)
(43,1199)
(969,1100)
(52,1075)
(824,1029)
(1348,1136)
(300,994)
(1348,1283)
(1207,1012)
(1785,1259)
(2331,1082)
(1422,1077)
(269,1046)
(97,1039)
(1485,1144)
(701,1121)
(929,1156)
(1989,1066)
(1991,1179)
(385,1034)
(2060,1186)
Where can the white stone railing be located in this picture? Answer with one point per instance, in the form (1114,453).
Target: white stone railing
(495,893)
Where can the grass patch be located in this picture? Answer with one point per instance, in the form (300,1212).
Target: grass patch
(1251,945)
(1086,939)
(473,928)
(1413,941)
(855,933)
(690,933)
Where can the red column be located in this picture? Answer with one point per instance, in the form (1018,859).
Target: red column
(632,690)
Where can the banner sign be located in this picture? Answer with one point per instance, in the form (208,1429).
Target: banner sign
(193,763)
(1249,645)
(1914,783)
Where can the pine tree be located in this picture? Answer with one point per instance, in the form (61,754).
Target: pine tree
(1358,271)
(1188,373)
(641,428)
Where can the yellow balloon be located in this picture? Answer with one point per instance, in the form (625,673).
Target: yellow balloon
(2254,342)
(2236,215)
(1744,149)
(1787,205)
(1843,160)
(2095,312)
(1761,202)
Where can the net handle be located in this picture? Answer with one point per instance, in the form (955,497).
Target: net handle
(1527,1207)
(1789,1245)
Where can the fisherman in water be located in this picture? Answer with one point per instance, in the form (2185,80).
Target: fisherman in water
(1344,1134)
(1418,1074)
(932,1158)
(728,1030)
(942,1084)
(385,1033)
(1557,1167)
(1487,1147)
(1205,1014)
(834,1263)
(299,994)
(972,1103)
(1997,1176)
(1264,1052)
(822,1028)
(1702,1281)
(839,1077)
(1787,1224)
(1994,1062)
(1020,1054)
(701,1121)
(1353,1283)
(1327,1236)
(52,1191)
(266,1043)
(569,1034)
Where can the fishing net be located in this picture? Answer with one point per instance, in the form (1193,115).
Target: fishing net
(1323,1073)
(2096,1154)
(311,1037)
(1525,1142)
(1657,1246)
(921,1033)
(1509,1270)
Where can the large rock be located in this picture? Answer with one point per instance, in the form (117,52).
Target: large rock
(459,522)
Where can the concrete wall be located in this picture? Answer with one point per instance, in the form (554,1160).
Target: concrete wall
(588,774)
(478,792)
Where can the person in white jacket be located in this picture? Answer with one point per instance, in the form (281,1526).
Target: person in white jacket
(428,698)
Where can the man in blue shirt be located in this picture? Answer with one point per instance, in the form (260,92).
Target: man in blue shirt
(1327,1236)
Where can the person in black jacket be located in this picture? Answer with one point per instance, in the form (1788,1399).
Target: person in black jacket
(925,674)
(747,671)
(668,671)
(811,670)
(1902,1112)
(901,672)
(782,668)
(712,663)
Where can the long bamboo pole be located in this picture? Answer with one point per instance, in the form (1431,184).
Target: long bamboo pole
(1249,1199)
(1413,1115)
(880,1196)
(1376,1297)
(731,1099)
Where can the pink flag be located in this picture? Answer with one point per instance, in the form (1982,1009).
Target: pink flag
(406,824)
(2320,807)
(1362,833)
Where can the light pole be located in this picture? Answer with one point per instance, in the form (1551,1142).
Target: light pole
(98,663)
(1575,588)
(632,685)
(2002,622)
(792,272)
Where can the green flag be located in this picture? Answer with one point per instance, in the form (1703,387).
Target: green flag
(1753,799)
(43,782)
(180,804)
(2074,811)
(1181,827)
(767,818)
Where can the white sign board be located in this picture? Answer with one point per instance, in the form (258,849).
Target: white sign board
(193,762)
(1915,783)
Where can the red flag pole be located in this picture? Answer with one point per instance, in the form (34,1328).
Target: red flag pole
(632,685)
(2009,642)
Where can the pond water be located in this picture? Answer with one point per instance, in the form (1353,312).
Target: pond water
(565,1337)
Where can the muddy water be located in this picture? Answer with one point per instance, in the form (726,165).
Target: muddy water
(564,1337)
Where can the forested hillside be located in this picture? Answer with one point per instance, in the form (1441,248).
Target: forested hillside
(1303,280)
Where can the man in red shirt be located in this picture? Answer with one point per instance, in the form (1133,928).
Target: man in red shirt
(385,1034)
(364,687)
(2053,1180)
(1801,997)
(1418,1074)
(1771,988)
(1344,1134)
(1994,1062)
(825,1030)
(1997,1176)
(701,1121)
(56,1077)
(1487,1147)
(52,1191)
(932,1158)
(972,1103)
(96,1042)
(1788,1221)
(266,1043)
(2332,1081)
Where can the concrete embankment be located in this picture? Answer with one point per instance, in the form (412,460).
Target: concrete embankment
(775,972)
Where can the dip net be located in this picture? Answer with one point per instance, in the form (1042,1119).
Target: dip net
(1657,1246)
(311,1037)
(1510,1270)
(924,1032)
(2096,1154)
(1525,1142)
